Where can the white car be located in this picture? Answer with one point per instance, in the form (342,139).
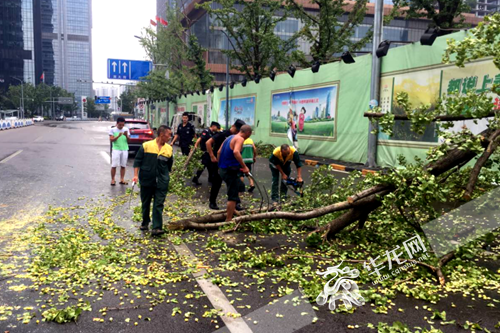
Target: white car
(38,119)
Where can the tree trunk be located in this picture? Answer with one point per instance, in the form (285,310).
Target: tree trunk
(492,146)
(359,205)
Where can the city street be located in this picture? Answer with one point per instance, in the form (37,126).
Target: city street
(190,282)
(390,107)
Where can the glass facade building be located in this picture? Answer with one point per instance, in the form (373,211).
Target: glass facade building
(211,37)
(16,43)
(65,33)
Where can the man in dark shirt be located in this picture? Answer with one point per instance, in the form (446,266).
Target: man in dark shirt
(185,133)
(205,158)
(213,145)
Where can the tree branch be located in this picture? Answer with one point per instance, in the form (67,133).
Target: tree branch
(474,175)
(441,118)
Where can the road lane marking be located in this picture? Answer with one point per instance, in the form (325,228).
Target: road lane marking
(215,295)
(106,156)
(41,136)
(5,160)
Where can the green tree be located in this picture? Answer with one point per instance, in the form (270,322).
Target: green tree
(127,101)
(195,52)
(90,108)
(443,13)
(183,60)
(37,99)
(250,25)
(327,34)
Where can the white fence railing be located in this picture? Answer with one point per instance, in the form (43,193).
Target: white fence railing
(10,124)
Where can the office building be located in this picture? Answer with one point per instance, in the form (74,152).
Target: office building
(398,30)
(16,43)
(482,8)
(63,31)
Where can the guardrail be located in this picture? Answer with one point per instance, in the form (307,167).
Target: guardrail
(11,124)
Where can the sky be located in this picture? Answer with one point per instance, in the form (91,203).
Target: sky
(115,22)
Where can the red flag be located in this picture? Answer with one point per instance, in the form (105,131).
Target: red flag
(157,18)
(162,21)
(42,78)
(153,22)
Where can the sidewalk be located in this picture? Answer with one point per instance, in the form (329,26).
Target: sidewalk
(338,165)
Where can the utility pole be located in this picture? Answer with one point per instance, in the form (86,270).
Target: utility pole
(375,81)
(21,104)
(167,76)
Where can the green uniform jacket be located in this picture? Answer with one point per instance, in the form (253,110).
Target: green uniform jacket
(154,165)
(277,159)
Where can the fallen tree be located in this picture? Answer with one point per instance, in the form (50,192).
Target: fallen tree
(358,206)
(408,194)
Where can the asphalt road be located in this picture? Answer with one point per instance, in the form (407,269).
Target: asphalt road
(57,164)
(53,163)
(67,164)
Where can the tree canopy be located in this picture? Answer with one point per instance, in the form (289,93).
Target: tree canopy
(172,49)
(255,47)
(36,99)
(332,30)
(443,13)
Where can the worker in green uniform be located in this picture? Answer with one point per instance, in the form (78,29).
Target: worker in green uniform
(280,163)
(152,167)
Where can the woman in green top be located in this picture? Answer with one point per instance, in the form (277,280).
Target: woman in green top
(249,155)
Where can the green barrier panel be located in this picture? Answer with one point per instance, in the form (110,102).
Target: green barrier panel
(325,109)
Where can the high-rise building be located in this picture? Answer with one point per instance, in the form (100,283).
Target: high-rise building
(63,31)
(16,43)
(485,7)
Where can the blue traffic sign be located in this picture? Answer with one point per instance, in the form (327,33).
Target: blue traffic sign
(133,70)
(102,100)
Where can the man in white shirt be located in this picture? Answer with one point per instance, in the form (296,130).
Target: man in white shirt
(119,136)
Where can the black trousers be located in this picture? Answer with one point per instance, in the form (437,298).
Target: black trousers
(148,194)
(213,172)
(205,161)
(186,150)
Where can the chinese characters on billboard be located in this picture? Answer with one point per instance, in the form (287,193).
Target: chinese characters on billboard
(428,85)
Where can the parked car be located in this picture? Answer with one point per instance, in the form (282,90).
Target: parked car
(60,118)
(193,119)
(38,119)
(140,132)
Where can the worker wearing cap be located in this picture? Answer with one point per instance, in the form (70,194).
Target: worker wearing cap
(205,158)
(280,164)
(213,145)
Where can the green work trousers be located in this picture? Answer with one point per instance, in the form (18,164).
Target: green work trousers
(276,180)
(148,193)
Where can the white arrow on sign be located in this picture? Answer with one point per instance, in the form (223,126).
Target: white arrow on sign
(114,66)
(124,67)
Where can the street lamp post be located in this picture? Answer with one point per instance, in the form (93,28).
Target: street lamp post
(375,80)
(21,105)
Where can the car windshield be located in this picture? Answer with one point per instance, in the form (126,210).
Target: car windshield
(137,125)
